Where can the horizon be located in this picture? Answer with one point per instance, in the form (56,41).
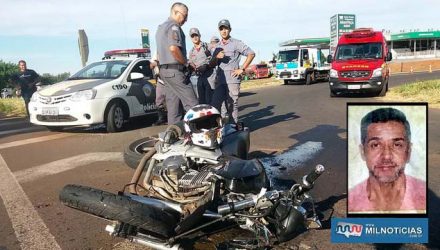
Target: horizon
(46,33)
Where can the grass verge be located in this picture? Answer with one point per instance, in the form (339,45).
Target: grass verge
(258,83)
(12,107)
(423,91)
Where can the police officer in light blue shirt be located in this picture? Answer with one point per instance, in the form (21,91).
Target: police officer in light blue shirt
(171,50)
(202,70)
(229,72)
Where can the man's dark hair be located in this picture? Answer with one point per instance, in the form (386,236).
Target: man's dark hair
(22,61)
(179,4)
(384,115)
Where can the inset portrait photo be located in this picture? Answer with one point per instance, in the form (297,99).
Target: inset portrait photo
(387,152)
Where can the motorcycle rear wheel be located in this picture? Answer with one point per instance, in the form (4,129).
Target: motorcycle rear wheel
(136,150)
(120,208)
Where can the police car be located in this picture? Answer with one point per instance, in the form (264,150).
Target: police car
(110,91)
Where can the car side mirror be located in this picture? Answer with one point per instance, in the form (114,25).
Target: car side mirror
(329,58)
(389,56)
(135,76)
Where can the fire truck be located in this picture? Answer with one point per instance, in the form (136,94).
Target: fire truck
(360,63)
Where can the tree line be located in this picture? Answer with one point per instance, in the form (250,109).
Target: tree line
(8,69)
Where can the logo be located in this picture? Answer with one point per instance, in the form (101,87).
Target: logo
(349,229)
(379,230)
(149,107)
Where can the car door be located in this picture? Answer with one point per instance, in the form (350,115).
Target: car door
(141,91)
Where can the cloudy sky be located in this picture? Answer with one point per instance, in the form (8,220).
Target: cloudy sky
(45,32)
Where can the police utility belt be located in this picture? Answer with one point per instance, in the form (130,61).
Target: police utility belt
(176,66)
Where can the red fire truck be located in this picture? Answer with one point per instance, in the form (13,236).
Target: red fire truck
(360,63)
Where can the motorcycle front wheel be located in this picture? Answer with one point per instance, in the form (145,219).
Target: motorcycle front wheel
(119,208)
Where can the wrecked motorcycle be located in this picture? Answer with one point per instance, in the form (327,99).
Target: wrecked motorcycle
(187,189)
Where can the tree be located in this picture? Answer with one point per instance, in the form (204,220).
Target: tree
(47,79)
(7,69)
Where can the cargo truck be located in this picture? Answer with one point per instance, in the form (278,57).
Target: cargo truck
(303,63)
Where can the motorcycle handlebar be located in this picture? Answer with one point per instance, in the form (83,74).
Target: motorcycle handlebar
(312,176)
(236,206)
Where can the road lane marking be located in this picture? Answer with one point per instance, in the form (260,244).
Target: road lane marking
(66,164)
(20,130)
(28,226)
(33,140)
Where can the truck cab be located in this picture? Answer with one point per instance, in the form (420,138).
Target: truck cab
(360,63)
(307,63)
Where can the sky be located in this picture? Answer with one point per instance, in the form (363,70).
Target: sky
(45,32)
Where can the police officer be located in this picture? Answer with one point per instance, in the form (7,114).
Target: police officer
(171,49)
(199,61)
(229,72)
(26,80)
(160,94)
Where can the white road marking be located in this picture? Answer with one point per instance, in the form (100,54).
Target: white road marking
(66,164)
(33,140)
(29,228)
(291,159)
(20,130)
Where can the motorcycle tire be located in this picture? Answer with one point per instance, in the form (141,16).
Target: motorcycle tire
(120,208)
(135,151)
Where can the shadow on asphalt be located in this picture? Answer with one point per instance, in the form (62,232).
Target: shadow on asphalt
(251,105)
(264,117)
(133,124)
(326,209)
(245,93)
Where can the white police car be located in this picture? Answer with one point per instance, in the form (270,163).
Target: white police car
(109,91)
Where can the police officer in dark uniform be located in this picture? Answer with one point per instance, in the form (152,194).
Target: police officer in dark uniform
(171,49)
(26,80)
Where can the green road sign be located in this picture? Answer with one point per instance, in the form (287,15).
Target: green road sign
(145,34)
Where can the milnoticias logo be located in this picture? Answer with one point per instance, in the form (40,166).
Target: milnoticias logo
(349,229)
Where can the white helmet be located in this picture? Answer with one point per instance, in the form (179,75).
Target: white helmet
(204,124)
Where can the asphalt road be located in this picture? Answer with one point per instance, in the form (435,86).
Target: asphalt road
(296,121)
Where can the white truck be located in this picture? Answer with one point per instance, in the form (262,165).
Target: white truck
(303,62)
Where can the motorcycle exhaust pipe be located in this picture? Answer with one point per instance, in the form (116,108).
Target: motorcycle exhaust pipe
(154,245)
(142,241)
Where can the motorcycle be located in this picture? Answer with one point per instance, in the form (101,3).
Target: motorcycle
(187,189)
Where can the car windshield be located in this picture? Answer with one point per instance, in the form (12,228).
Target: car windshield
(288,56)
(102,70)
(362,50)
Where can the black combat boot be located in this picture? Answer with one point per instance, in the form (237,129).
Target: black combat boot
(161,117)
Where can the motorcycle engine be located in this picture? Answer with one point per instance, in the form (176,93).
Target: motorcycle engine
(181,180)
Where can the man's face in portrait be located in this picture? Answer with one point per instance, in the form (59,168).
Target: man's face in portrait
(386,150)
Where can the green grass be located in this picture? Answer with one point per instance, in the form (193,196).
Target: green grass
(10,107)
(423,91)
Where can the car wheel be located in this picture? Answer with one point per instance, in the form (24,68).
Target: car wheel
(383,91)
(333,93)
(55,128)
(308,79)
(115,118)
(286,82)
